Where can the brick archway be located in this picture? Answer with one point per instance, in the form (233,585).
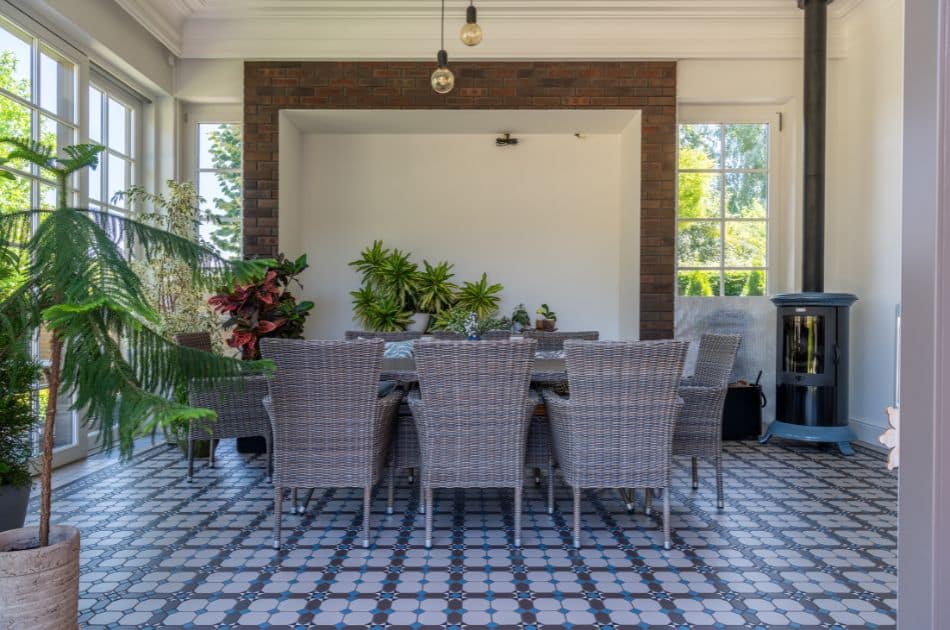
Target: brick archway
(650,87)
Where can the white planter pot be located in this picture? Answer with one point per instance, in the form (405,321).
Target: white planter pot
(419,323)
(39,586)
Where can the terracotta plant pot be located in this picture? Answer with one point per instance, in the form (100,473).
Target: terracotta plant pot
(39,586)
(13,503)
(547,325)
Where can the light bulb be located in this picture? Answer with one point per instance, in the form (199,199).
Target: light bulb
(471,34)
(443,80)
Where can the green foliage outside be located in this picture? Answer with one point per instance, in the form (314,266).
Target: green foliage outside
(705,198)
(226,207)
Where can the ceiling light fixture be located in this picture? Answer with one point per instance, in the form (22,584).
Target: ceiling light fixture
(471,32)
(442,78)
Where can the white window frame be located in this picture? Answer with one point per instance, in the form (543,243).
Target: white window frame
(730,115)
(134,133)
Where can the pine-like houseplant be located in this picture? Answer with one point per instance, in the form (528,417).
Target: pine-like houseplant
(106,354)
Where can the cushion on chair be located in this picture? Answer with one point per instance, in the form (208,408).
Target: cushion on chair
(398,350)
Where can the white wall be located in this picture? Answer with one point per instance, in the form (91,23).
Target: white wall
(542,218)
(864,202)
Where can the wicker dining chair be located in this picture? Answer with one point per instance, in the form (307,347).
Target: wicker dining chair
(472,411)
(331,427)
(698,431)
(549,341)
(447,335)
(240,412)
(616,428)
(402,335)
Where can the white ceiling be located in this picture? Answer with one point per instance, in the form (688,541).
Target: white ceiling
(354,29)
(496,121)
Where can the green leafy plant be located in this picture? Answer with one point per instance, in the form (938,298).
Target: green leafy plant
(264,306)
(479,297)
(435,290)
(370,264)
(457,320)
(17,374)
(545,312)
(520,316)
(399,277)
(106,352)
(387,314)
(166,280)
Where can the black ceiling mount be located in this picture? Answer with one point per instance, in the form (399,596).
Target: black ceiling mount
(506,140)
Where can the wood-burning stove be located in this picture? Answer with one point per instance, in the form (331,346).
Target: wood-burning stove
(811,380)
(811,375)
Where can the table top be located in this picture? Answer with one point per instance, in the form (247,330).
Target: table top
(544,370)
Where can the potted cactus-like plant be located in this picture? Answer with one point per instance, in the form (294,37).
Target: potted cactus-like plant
(547,319)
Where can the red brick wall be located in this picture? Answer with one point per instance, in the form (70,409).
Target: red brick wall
(270,86)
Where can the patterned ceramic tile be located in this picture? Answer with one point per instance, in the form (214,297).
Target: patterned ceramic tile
(807,540)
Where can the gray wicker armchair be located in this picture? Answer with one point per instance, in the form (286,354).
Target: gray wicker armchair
(472,411)
(616,429)
(699,428)
(238,407)
(402,335)
(553,341)
(331,428)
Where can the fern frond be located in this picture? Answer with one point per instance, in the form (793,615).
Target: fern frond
(80,156)
(32,151)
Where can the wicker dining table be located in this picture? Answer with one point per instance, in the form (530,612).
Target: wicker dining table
(544,372)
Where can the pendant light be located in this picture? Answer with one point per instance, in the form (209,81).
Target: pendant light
(442,78)
(471,32)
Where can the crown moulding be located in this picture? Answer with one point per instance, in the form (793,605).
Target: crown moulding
(278,28)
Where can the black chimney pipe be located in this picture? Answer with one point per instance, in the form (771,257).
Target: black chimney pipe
(813,234)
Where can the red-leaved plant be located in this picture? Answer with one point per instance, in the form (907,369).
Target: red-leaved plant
(263,307)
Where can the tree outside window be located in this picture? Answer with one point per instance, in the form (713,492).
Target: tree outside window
(219,184)
(722,211)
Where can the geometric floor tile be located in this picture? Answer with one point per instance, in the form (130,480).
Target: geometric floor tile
(807,540)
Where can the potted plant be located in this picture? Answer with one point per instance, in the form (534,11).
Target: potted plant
(18,372)
(467,323)
(262,306)
(520,318)
(479,297)
(547,320)
(106,355)
(435,291)
(180,303)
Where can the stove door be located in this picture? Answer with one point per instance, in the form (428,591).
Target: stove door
(807,345)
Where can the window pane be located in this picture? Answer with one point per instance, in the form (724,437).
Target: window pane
(747,146)
(221,193)
(747,195)
(95,183)
(701,283)
(117,177)
(117,122)
(219,146)
(57,85)
(47,197)
(15,120)
(747,283)
(700,195)
(55,134)
(95,115)
(745,243)
(700,146)
(698,244)
(15,63)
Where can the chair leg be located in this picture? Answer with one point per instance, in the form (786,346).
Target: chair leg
(517,516)
(391,489)
(412,475)
(632,500)
(550,485)
(647,501)
(429,509)
(537,476)
(422,499)
(695,466)
(720,499)
(666,519)
(302,508)
(211,453)
(367,508)
(577,518)
(269,445)
(191,459)
(293,499)
(278,505)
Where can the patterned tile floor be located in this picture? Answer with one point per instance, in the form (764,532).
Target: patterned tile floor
(807,540)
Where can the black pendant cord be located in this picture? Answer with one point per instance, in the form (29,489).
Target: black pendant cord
(442,30)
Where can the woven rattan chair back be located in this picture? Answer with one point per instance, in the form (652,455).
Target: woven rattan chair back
(402,335)
(195,340)
(714,363)
(554,341)
(625,394)
(447,335)
(490,335)
(475,420)
(323,396)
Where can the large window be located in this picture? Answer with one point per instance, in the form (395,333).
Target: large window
(723,209)
(219,185)
(113,116)
(38,100)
